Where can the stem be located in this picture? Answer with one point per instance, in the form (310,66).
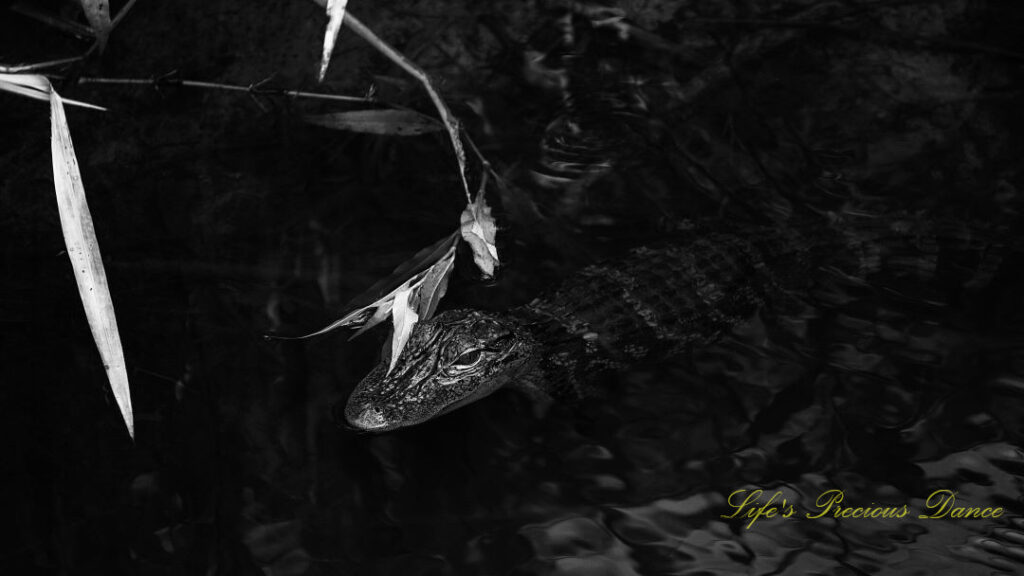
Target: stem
(120,15)
(449,119)
(479,155)
(250,89)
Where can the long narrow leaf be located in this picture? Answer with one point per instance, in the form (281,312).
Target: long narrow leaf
(97,12)
(35,86)
(373,306)
(434,285)
(404,318)
(335,17)
(84,252)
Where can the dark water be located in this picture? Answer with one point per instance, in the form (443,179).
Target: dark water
(222,219)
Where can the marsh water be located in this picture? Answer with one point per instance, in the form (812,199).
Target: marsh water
(223,218)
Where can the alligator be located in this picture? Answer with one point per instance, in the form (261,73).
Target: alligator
(656,302)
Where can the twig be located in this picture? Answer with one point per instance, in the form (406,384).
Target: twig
(120,15)
(449,119)
(253,89)
(479,155)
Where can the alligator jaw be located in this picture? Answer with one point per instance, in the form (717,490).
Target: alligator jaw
(368,419)
(362,415)
(451,360)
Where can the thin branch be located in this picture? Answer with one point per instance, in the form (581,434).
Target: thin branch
(479,155)
(449,119)
(120,15)
(253,89)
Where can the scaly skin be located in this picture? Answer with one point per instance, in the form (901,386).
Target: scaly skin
(657,301)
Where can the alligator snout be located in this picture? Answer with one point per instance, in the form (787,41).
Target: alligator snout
(363,416)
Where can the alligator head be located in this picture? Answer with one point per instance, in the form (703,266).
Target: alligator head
(449,361)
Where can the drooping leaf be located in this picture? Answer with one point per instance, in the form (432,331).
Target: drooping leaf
(84,252)
(97,12)
(387,122)
(420,262)
(434,285)
(382,312)
(335,17)
(35,86)
(478,229)
(404,318)
(373,306)
(431,285)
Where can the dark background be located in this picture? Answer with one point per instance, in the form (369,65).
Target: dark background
(222,217)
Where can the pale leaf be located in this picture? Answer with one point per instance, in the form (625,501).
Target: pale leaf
(335,17)
(386,122)
(35,86)
(84,252)
(434,286)
(374,305)
(404,319)
(97,12)
(479,230)
(382,313)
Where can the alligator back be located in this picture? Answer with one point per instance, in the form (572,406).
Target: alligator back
(676,294)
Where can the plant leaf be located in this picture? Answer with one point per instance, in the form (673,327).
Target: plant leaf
(84,252)
(35,86)
(335,17)
(97,12)
(383,311)
(478,229)
(387,122)
(372,307)
(404,319)
(420,262)
(434,285)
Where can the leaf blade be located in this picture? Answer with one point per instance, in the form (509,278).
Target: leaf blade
(374,305)
(404,318)
(37,87)
(335,17)
(434,285)
(97,12)
(479,230)
(84,252)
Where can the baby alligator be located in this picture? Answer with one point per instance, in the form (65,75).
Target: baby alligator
(655,302)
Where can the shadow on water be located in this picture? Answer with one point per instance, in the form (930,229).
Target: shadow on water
(222,221)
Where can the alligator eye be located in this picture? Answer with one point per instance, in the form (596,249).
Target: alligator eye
(468,359)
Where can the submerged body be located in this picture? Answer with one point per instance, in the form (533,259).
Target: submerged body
(653,303)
